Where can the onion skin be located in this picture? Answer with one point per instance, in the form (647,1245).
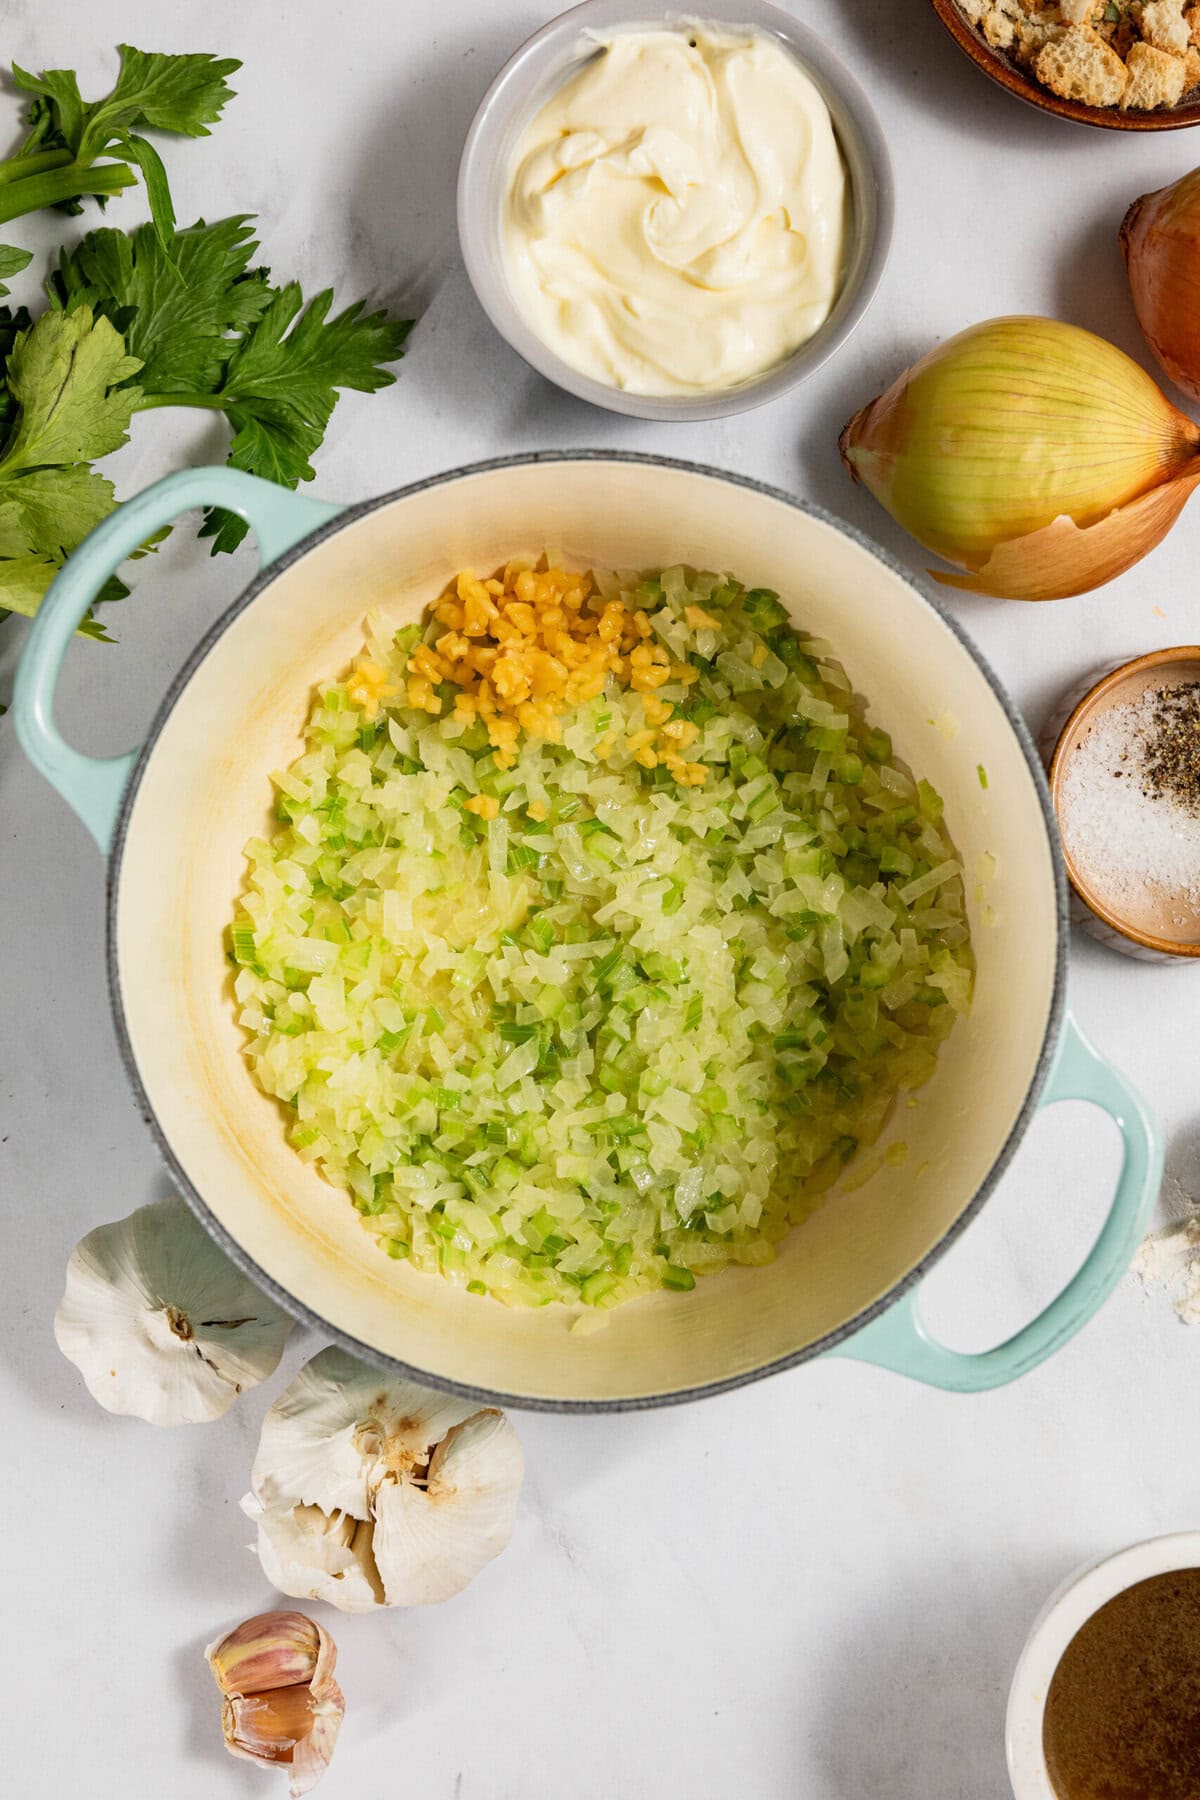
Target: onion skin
(1036,457)
(1160,241)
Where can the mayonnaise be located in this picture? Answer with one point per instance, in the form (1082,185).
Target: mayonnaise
(675,215)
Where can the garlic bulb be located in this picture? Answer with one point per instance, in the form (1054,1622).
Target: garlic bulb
(371,1492)
(281,1703)
(160,1323)
(1034,455)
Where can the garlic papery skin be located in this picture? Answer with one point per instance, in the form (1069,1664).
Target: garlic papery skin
(1033,455)
(160,1323)
(1160,241)
(373,1492)
(281,1703)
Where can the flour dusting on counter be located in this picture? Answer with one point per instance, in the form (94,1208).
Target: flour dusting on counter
(1169,1259)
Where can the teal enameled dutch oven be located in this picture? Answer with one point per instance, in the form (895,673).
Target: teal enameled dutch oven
(174,815)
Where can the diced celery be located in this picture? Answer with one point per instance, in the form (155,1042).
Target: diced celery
(496,1036)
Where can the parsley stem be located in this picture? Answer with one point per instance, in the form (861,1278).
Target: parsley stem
(17,168)
(215,402)
(50,188)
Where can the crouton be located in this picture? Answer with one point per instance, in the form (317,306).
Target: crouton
(1162,25)
(1191,19)
(1156,78)
(1032,35)
(998,29)
(1080,12)
(1191,69)
(1080,66)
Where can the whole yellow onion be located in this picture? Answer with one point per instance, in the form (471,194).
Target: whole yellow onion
(1160,241)
(1035,456)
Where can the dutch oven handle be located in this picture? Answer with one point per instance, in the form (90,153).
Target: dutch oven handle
(92,785)
(898,1339)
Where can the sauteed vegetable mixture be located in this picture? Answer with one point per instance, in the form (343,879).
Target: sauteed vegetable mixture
(597,933)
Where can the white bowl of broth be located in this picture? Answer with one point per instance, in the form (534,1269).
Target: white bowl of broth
(1105,1701)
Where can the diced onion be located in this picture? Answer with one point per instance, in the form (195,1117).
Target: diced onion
(626,1032)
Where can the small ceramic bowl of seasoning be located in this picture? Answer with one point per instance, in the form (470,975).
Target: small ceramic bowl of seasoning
(1124,764)
(675,218)
(1106,1694)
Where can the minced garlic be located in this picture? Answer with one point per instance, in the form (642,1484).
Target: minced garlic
(526,644)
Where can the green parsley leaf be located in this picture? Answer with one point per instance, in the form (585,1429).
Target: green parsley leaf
(70,398)
(51,511)
(11,325)
(69,376)
(61,117)
(63,155)
(301,369)
(183,94)
(23,582)
(158,191)
(12,261)
(281,386)
(177,310)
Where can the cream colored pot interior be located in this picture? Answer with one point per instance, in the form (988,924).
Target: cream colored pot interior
(205,791)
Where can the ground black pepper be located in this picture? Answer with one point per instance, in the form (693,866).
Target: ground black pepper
(1171,746)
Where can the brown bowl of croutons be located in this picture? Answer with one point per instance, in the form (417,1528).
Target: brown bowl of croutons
(1126,65)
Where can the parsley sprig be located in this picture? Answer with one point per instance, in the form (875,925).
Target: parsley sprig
(150,318)
(76,147)
(220,336)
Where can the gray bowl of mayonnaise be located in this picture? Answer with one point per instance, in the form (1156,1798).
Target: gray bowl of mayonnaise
(675,217)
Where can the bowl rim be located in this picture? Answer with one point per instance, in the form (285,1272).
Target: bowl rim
(1068,1609)
(1097,692)
(1006,74)
(1051,1034)
(870,233)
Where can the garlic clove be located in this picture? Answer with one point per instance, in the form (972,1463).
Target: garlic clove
(314,1555)
(281,1704)
(160,1323)
(312,1754)
(289,1725)
(272,1650)
(431,1540)
(1065,559)
(369,1492)
(267,1727)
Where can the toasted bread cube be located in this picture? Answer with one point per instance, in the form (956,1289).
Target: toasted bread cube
(976,10)
(1191,69)
(1032,35)
(1191,19)
(998,29)
(1080,66)
(1162,25)
(1156,78)
(1081,12)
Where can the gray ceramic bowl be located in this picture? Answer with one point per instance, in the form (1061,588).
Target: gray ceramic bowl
(541,66)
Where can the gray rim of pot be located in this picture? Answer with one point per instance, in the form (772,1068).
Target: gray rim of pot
(490,1396)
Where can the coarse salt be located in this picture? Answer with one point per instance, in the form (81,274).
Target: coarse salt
(1128,845)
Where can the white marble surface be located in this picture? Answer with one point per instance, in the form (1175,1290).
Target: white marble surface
(813,1589)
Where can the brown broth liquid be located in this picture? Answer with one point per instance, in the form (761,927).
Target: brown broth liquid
(1122,1719)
